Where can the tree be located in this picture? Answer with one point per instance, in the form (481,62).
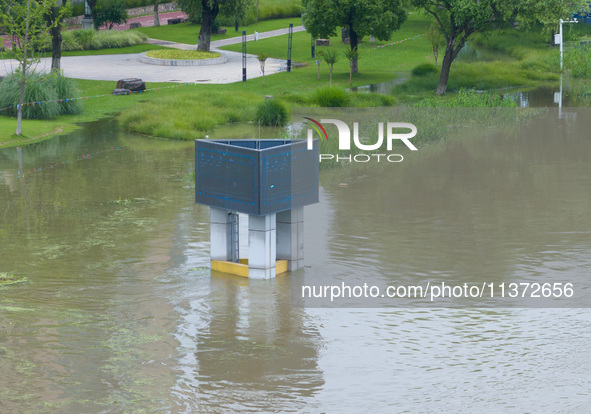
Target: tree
(109,14)
(435,36)
(353,56)
(26,21)
(379,18)
(330,56)
(262,57)
(206,11)
(156,17)
(459,19)
(55,18)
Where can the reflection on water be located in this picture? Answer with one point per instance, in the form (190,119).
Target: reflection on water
(122,314)
(574,93)
(385,88)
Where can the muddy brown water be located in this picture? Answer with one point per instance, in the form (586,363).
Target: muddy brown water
(121,313)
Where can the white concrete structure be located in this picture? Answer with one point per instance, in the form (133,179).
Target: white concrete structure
(262,246)
(272,237)
(290,237)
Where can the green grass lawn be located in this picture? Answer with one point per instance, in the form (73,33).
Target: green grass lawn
(390,59)
(188,33)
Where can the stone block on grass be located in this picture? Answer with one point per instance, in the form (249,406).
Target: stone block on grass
(121,91)
(133,84)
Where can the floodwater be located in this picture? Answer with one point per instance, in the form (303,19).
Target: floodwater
(121,313)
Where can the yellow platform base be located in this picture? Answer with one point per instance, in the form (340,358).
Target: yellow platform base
(241,268)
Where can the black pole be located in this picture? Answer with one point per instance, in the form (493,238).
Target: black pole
(244,56)
(289,47)
(236,24)
(313,47)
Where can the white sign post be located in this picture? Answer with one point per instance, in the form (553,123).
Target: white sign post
(559,37)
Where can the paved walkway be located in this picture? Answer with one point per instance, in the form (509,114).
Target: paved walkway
(149,20)
(115,67)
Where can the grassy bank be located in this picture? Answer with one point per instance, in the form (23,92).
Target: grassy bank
(94,109)
(192,111)
(200,109)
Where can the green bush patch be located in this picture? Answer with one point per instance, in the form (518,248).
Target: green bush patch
(424,69)
(94,40)
(271,113)
(50,93)
(182,54)
(330,97)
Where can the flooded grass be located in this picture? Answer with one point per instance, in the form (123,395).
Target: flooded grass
(9,279)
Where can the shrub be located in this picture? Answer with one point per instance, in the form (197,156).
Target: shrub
(47,89)
(424,69)
(105,39)
(271,113)
(65,89)
(84,38)
(330,97)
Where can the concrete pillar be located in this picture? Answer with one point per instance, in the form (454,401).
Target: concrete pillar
(87,23)
(262,245)
(290,237)
(220,234)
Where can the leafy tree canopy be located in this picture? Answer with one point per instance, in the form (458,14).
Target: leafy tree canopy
(379,18)
(458,19)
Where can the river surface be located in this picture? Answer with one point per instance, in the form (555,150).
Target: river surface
(121,313)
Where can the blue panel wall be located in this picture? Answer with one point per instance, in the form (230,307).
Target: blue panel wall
(256,176)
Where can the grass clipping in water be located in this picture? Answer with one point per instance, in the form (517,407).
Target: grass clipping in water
(8,279)
(182,54)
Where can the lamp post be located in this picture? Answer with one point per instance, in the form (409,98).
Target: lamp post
(559,37)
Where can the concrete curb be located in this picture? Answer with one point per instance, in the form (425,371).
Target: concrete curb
(174,62)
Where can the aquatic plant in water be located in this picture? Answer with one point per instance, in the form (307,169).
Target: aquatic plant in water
(7,279)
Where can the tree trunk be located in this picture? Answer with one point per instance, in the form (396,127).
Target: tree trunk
(19,115)
(445,67)
(256,14)
(156,17)
(23,74)
(353,40)
(451,52)
(56,47)
(209,11)
(56,36)
(330,79)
